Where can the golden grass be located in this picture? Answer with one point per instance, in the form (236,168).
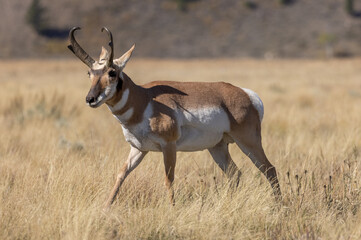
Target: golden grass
(59,158)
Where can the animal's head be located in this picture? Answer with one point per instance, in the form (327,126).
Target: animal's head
(105,73)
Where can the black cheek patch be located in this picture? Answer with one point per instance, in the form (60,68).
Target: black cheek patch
(120,84)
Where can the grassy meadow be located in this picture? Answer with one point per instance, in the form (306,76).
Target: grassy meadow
(59,158)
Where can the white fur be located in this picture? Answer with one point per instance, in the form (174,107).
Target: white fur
(119,105)
(256,102)
(104,96)
(98,65)
(139,135)
(123,118)
(98,101)
(110,90)
(201,128)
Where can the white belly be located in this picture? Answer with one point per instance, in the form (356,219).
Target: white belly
(142,138)
(201,128)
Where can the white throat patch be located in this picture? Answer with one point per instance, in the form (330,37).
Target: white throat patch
(119,105)
(123,118)
(256,102)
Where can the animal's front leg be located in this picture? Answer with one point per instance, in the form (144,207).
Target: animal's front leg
(134,158)
(169,154)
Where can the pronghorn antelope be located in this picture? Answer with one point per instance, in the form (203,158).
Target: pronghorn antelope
(167,117)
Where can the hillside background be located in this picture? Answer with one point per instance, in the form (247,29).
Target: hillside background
(187,29)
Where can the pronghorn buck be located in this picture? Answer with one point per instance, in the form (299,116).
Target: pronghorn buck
(167,117)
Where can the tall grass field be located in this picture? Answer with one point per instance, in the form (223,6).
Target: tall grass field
(59,158)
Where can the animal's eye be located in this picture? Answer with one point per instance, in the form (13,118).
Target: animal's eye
(112,73)
(88,74)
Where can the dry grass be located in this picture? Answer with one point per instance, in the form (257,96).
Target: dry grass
(59,158)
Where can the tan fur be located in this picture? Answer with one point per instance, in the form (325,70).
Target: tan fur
(104,55)
(169,156)
(151,115)
(163,123)
(244,119)
(134,101)
(194,94)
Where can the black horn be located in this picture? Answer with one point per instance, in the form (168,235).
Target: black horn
(111,55)
(77,50)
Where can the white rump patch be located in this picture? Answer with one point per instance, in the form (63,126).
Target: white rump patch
(256,102)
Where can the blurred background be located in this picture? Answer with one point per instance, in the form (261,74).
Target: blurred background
(59,158)
(184,28)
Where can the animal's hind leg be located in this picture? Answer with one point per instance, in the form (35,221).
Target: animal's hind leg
(251,144)
(170,157)
(221,156)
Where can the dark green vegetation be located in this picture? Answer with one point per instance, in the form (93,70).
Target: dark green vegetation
(35,16)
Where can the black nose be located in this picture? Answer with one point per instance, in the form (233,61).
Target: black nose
(89,99)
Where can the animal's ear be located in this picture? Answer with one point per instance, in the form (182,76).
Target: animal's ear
(122,61)
(104,55)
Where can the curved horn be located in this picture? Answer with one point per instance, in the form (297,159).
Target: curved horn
(110,59)
(77,50)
